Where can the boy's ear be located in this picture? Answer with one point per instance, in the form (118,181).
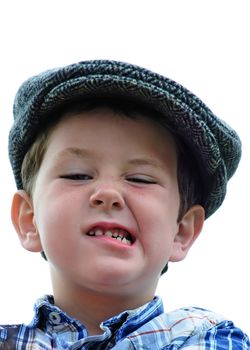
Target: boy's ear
(189,228)
(22,215)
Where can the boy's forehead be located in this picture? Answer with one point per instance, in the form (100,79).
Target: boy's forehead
(100,137)
(215,146)
(95,120)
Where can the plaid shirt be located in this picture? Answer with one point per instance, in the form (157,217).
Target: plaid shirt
(147,327)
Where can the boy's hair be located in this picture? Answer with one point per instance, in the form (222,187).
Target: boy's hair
(189,180)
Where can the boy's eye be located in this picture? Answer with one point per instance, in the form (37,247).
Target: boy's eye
(76,177)
(143,180)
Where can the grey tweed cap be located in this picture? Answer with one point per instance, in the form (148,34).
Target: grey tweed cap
(215,146)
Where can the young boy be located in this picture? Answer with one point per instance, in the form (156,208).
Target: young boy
(116,169)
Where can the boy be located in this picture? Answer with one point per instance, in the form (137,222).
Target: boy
(116,169)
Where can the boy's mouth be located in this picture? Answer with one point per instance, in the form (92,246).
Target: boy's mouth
(118,234)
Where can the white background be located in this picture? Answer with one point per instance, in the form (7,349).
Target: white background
(202,44)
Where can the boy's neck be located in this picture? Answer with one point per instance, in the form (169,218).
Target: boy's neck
(91,309)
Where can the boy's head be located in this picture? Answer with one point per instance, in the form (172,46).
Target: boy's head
(164,150)
(213,145)
(188,172)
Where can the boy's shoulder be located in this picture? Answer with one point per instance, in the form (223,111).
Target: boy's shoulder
(191,328)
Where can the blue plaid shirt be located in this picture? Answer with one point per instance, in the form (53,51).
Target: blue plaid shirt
(147,327)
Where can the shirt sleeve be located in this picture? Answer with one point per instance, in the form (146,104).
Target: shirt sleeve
(223,336)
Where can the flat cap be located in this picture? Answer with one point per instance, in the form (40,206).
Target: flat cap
(215,146)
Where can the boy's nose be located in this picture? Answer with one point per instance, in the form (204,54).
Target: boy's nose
(107,198)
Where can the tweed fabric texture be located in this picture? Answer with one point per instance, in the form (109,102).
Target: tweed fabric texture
(215,145)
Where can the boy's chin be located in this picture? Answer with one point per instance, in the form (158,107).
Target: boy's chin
(122,281)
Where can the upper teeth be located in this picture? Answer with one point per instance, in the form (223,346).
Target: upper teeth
(119,234)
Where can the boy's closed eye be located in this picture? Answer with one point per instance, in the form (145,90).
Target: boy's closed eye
(141,179)
(77,176)
(85,177)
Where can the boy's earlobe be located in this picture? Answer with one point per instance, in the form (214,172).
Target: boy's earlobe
(22,215)
(190,227)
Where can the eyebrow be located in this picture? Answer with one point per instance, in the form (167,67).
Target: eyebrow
(76,152)
(83,153)
(146,161)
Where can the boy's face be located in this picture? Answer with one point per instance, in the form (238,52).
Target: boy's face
(107,175)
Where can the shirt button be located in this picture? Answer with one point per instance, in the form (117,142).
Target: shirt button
(55,317)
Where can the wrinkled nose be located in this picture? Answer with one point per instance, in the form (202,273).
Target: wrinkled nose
(107,198)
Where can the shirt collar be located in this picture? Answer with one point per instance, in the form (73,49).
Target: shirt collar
(48,315)
(130,320)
